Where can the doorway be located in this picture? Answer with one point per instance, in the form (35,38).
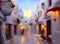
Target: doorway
(39,28)
(48,28)
(8,31)
(1,36)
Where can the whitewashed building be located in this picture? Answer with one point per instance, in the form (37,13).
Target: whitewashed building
(6,8)
(53,10)
(39,14)
(49,19)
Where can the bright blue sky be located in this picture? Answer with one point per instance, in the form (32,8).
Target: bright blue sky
(27,4)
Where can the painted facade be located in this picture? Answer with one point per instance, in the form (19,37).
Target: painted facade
(6,7)
(49,20)
(54,11)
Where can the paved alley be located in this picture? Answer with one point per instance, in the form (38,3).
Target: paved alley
(23,39)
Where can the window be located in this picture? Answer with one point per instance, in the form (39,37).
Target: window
(50,2)
(21,17)
(8,31)
(0,22)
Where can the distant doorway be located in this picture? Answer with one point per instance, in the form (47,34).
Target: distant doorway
(39,28)
(15,29)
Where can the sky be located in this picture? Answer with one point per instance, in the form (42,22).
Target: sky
(27,6)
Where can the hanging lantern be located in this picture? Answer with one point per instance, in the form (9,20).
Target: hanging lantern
(13,6)
(43,5)
(18,21)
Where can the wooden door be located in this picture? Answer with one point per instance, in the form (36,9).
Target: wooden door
(48,28)
(39,28)
(15,29)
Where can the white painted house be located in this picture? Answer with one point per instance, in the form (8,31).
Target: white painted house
(53,10)
(6,8)
(50,19)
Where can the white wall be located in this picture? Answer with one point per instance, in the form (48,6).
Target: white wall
(53,1)
(11,20)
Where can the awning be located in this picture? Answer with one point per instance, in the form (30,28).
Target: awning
(54,7)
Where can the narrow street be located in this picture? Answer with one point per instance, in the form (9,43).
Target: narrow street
(29,21)
(23,39)
(28,38)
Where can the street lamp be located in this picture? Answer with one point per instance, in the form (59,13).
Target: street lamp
(43,5)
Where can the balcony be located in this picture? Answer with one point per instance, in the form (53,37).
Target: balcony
(7,7)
